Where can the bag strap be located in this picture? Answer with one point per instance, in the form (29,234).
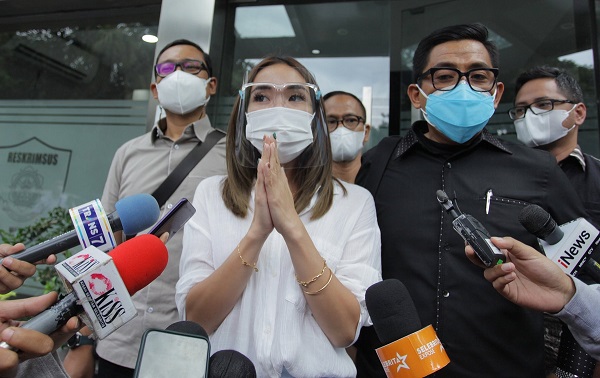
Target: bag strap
(172,182)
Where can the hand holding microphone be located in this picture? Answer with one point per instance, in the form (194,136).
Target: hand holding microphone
(568,245)
(134,214)
(529,278)
(31,343)
(138,262)
(14,271)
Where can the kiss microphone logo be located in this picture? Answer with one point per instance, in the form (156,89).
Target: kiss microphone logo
(80,263)
(91,225)
(103,298)
(568,255)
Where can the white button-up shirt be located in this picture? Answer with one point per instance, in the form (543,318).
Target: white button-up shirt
(271,323)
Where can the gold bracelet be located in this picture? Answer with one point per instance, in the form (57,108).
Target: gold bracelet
(324,286)
(244,262)
(306,283)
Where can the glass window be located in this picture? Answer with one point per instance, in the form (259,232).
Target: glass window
(74,85)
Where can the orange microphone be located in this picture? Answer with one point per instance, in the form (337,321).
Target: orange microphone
(410,351)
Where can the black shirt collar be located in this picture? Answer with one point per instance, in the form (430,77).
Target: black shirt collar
(417,135)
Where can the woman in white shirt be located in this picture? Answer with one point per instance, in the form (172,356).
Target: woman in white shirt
(279,254)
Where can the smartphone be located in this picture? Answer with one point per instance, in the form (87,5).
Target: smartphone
(174,220)
(165,353)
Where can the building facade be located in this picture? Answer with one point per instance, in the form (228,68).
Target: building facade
(75,75)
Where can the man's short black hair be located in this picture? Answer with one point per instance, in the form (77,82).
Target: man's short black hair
(178,42)
(476,32)
(342,93)
(565,83)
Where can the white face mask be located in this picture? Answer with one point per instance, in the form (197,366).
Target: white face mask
(181,92)
(292,128)
(541,129)
(346,144)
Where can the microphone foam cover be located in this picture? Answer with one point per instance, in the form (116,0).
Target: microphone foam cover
(230,363)
(537,221)
(137,212)
(140,261)
(189,327)
(392,310)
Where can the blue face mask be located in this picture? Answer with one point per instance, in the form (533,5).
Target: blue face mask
(460,113)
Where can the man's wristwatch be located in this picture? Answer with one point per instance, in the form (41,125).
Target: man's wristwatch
(78,340)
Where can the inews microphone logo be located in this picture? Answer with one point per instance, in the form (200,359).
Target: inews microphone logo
(578,245)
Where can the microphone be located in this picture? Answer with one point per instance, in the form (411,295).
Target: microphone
(181,350)
(189,327)
(230,363)
(134,214)
(473,233)
(138,262)
(410,351)
(569,245)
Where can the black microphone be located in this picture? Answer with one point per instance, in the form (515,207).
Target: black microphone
(392,310)
(134,214)
(397,324)
(181,350)
(187,326)
(137,261)
(230,363)
(569,245)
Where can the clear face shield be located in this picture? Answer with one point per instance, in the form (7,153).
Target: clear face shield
(292,114)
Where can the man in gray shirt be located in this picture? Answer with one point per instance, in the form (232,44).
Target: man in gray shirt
(184,83)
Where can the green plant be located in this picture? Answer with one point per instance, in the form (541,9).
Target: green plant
(55,223)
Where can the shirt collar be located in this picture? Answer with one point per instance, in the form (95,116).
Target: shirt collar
(578,155)
(198,129)
(411,138)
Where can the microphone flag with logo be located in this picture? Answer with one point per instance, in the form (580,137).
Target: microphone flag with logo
(410,351)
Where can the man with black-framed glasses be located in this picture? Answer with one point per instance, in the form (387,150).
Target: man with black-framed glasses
(548,113)
(456,88)
(183,84)
(348,131)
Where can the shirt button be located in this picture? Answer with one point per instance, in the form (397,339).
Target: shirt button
(446,294)
(169,206)
(449,165)
(150,310)
(267,330)
(176,146)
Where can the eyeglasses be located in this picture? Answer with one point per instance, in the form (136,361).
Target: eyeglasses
(190,66)
(349,122)
(447,78)
(537,107)
(300,96)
